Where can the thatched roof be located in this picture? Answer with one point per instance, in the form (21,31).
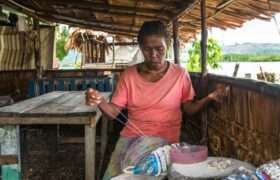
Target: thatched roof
(124,17)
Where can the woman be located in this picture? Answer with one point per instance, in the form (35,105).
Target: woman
(153,92)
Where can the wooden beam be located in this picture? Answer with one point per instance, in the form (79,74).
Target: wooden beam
(103,6)
(186,7)
(30,12)
(93,26)
(221,7)
(225,4)
(134,16)
(8,159)
(53,13)
(36,4)
(157,2)
(124,44)
(117,13)
(176,43)
(103,30)
(84,20)
(78,22)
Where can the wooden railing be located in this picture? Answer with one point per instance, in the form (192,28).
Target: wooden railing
(246,125)
(23,84)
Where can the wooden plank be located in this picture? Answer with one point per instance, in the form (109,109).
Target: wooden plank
(54,104)
(46,120)
(72,140)
(29,104)
(90,134)
(249,84)
(8,159)
(65,104)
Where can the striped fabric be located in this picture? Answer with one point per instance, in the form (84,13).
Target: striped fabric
(16,49)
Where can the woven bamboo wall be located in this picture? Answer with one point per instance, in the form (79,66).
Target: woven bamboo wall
(246,125)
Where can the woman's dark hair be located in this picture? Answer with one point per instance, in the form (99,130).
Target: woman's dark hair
(152,28)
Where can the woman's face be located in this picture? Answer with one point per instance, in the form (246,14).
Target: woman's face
(154,50)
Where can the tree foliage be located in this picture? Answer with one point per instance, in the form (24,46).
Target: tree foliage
(234,57)
(214,54)
(61,40)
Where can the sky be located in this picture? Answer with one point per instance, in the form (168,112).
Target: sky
(256,31)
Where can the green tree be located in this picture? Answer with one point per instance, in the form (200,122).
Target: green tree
(214,54)
(61,40)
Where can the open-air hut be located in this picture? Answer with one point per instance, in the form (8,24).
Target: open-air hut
(246,126)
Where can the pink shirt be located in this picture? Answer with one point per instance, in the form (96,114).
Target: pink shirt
(154,107)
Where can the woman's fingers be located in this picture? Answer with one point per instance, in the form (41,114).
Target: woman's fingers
(93,97)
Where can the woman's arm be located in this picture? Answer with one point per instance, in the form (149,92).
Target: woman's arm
(192,107)
(93,98)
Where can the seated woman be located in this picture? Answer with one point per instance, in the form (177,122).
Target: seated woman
(153,92)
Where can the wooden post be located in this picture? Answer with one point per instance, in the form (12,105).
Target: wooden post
(204,83)
(114,55)
(104,141)
(37,54)
(176,44)
(90,133)
(203,38)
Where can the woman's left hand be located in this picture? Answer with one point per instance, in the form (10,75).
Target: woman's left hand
(219,94)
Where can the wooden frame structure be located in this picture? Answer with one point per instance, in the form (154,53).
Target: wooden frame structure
(126,17)
(185,19)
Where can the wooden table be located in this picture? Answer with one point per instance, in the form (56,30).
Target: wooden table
(60,107)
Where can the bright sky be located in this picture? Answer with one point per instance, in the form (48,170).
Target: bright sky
(256,31)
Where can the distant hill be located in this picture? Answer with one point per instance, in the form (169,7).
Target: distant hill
(252,48)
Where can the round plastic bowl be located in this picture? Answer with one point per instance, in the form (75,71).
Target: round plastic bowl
(188,154)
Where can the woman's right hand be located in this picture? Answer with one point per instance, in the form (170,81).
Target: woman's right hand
(93,97)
